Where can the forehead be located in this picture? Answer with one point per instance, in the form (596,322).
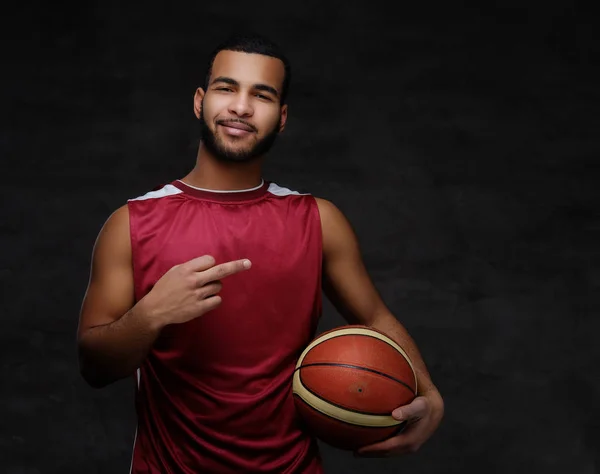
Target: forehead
(249,68)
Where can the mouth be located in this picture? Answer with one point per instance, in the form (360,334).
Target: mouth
(236,127)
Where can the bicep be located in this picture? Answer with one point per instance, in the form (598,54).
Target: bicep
(110,291)
(346,281)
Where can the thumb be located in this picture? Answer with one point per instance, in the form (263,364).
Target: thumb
(416,409)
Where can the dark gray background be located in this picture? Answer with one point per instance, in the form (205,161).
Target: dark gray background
(461,141)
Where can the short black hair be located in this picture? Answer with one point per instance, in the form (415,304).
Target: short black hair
(250,42)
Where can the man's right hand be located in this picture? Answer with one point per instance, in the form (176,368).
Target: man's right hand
(115,332)
(189,290)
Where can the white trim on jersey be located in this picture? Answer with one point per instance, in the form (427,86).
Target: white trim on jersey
(166,190)
(225,191)
(279,191)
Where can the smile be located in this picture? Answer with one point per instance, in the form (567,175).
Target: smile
(236,128)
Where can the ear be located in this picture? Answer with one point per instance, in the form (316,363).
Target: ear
(284,110)
(198,96)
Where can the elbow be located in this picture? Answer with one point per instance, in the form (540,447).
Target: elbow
(94,382)
(90,369)
(91,377)
(91,373)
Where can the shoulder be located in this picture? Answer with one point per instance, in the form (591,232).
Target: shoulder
(155,202)
(336,228)
(283,191)
(115,231)
(113,242)
(329,212)
(162,191)
(119,219)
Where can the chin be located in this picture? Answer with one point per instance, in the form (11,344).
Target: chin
(236,147)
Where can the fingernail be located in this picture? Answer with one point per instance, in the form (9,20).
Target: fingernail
(247,264)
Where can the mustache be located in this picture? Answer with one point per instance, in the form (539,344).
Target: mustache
(224,122)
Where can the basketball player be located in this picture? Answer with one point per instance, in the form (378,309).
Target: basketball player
(207,290)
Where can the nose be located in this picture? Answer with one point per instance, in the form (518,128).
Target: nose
(240,106)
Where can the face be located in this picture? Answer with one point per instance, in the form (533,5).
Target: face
(240,112)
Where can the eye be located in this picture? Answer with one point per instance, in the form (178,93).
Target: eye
(226,89)
(262,96)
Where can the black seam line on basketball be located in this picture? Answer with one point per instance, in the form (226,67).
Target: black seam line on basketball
(350,366)
(361,335)
(343,408)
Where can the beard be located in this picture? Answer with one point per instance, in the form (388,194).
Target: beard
(222,152)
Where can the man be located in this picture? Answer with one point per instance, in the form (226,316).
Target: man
(208,289)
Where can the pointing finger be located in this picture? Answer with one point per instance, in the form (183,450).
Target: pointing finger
(218,272)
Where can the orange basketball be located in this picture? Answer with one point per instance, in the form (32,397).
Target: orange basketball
(348,381)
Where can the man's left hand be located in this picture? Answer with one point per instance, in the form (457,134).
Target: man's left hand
(423,415)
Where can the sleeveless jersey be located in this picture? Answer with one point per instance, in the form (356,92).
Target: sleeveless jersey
(214,395)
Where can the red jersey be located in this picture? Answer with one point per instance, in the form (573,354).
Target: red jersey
(214,395)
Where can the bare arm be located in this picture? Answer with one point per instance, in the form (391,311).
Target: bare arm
(349,287)
(113,336)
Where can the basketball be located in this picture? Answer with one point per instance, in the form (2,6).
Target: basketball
(348,381)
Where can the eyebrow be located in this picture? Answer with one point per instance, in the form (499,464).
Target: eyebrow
(259,87)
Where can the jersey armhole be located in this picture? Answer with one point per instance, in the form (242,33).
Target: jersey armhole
(134,248)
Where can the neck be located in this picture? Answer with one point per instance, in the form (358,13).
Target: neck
(211,173)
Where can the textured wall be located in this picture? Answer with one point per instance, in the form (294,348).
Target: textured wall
(461,143)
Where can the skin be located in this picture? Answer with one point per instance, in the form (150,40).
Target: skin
(115,333)
(247,101)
